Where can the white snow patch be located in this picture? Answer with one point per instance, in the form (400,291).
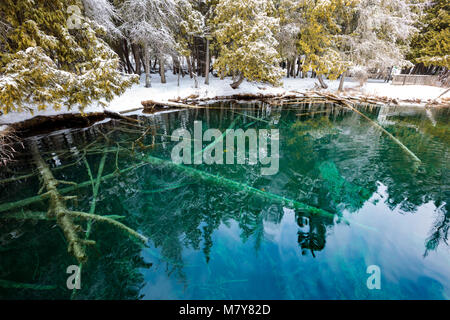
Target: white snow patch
(406,92)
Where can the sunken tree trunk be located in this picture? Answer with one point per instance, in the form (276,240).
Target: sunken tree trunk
(58,209)
(64,217)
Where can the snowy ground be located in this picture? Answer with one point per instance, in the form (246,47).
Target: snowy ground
(132,98)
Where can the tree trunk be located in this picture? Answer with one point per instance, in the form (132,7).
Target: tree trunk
(322,83)
(236,84)
(299,67)
(341,83)
(293,67)
(137,59)
(194,64)
(162,71)
(195,79)
(199,54)
(207,63)
(119,48)
(141,57)
(188,60)
(288,68)
(127,56)
(177,65)
(148,83)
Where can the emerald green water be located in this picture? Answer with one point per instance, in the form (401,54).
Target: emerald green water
(209,239)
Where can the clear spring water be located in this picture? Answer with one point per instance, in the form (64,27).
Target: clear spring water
(210,241)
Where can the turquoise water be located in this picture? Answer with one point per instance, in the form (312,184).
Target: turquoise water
(209,239)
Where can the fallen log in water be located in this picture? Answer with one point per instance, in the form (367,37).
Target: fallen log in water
(42,216)
(238,186)
(25,202)
(18,285)
(347,104)
(57,208)
(64,217)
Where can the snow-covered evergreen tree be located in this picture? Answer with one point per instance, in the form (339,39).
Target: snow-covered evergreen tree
(245,39)
(44,64)
(431,45)
(318,40)
(290,24)
(193,23)
(104,14)
(381,34)
(151,24)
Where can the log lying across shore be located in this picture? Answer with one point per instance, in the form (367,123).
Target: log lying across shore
(193,100)
(183,103)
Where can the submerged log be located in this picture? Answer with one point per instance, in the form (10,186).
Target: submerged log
(238,186)
(25,202)
(18,285)
(347,104)
(58,209)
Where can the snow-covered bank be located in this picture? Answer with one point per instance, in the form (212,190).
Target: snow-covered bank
(133,97)
(407,92)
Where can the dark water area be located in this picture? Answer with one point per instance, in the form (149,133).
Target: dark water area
(225,231)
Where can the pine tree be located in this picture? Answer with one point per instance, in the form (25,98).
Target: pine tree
(52,56)
(288,35)
(318,38)
(245,39)
(194,23)
(380,35)
(105,15)
(431,45)
(151,24)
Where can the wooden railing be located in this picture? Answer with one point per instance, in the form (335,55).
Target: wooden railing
(411,79)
